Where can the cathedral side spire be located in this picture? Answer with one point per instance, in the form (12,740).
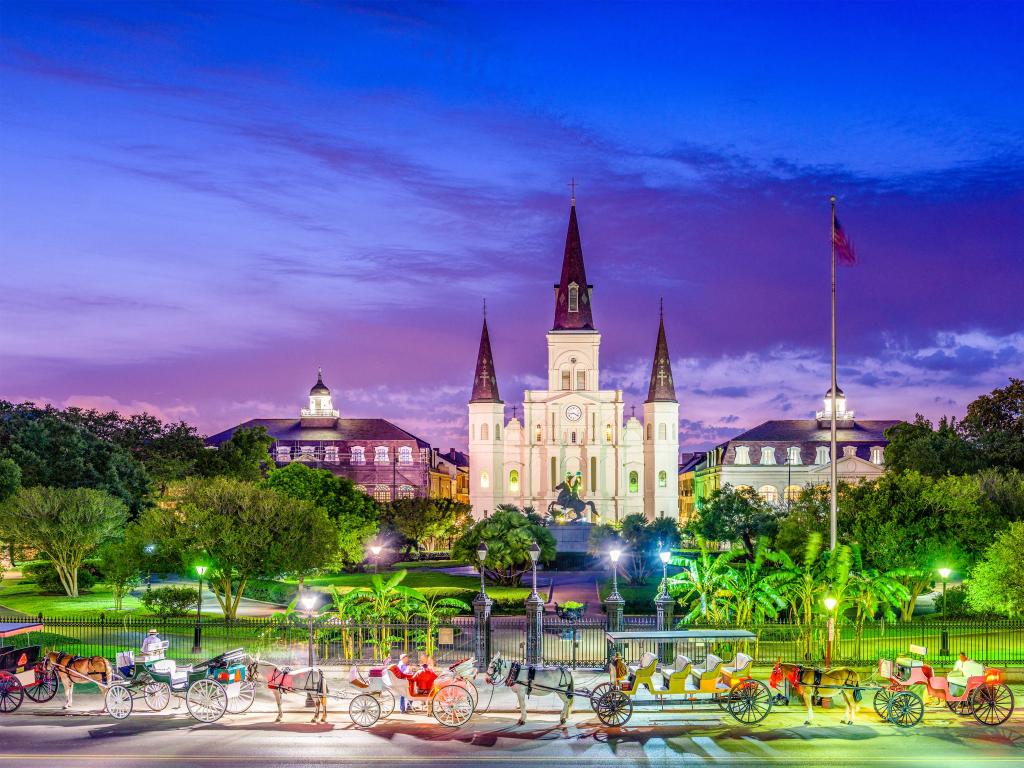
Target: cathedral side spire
(662,387)
(572,294)
(485,383)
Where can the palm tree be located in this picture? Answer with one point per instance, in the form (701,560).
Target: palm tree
(752,590)
(433,608)
(701,585)
(383,599)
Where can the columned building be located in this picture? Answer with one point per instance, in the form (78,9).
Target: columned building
(574,441)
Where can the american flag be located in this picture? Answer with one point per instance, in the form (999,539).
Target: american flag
(843,246)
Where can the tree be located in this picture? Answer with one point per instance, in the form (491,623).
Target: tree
(10,481)
(640,540)
(735,514)
(65,524)
(997,582)
(243,456)
(420,520)
(701,586)
(354,514)
(752,587)
(121,563)
(935,452)
(52,451)
(508,533)
(241,531)
(808,513)
(994,424)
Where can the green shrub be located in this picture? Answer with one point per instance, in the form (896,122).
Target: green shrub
(44,575)
(278,592)
(171,601)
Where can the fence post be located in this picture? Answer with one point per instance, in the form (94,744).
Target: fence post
(482,629)
(664,604)
(534,628)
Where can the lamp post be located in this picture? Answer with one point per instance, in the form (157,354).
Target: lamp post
(534,613)
(534,556)
(614,603)
(830,606)
(149,549)
(308,601)
(375,551)
(665,557)
(944,573)
(482,610)
(663,606)
(197,637)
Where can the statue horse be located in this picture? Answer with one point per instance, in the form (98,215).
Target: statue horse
(535,681)
(571,505)
(809,682)
(81,669)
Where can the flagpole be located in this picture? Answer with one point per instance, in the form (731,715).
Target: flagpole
(832,451)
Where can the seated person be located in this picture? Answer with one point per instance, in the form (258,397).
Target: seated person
(403,671)
(427,674)
(963,670)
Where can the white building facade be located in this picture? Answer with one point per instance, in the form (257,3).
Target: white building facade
(574,436)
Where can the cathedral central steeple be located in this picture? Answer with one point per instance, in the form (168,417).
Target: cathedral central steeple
(662,388)
(573,292)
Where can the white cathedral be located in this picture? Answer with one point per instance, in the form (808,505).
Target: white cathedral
(574,442)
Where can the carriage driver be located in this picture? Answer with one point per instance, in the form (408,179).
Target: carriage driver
(152,646)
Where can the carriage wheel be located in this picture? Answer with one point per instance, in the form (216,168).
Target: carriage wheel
(451,705)
(597,693)
(158,696)
(614,708)
(45,687)
(750,702)
(905,709)
(118,701)
(364,710)
(992,704)
(962,708)
(11,692)
(882,698)
(207,701)
(386,699)
(243,700)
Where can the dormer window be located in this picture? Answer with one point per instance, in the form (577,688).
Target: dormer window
(358,455)
(767,454)
(574,297)
(283,454)
(821,455)
(380,454)
(877,455)
(849,452)
(331,454)
(405,455)
(742,455)
(793,455)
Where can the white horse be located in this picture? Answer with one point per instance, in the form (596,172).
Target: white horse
(281,680)
(533,681)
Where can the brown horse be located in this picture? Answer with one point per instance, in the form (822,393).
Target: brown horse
(78,669)
(809,682)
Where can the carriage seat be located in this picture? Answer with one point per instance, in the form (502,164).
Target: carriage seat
(678,675)
(957,680)
(915,657)
(17,660)
(706,676)
(642,673)
(356,679)
(737,667)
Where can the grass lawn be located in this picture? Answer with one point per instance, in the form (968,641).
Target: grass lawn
(411,564)
(23,596)
(429,581)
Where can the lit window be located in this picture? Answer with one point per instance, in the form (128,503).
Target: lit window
(792,493)
(283,454)
(593,474)
(581,379)
(574,297)
(663,432)
(358,455)
(662,479)
(406,492)
(793,455)
(485,480)
(331,454)
(877,455)
(405,455)
(769,493)
(537,433)
(513,481)
(382,494)
(608,437)
(849,451)
(821,455)
(307,453)
(650,432)
(497,431)
(767,455)
(566,379)
(380,454)
(573,437)
(742,455)
(634,482)
(361,488)
(484,434)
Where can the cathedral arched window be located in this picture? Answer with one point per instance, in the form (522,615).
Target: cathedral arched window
(650,431)
(537,433)
(484,434)
(513,481)
(608,434)
(497,431)
(662,479)
(573,436)
(663,431)
(405,455)
(574,297)
(634,482)
(358,454)
(485,480)
(566,379)
(581,380)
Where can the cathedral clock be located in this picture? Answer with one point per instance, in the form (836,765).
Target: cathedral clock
(573,413)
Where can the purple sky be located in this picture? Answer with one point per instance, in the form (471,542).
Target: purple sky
(201,203)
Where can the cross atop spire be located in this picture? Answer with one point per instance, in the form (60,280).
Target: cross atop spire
(573,292)
(485,383)
(662,388)
(572,187)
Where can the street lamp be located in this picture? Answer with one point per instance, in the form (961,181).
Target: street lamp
(665,556)
(481,555)
(197,638)
(534,556)
(614,554)
(375,550)
(944,573)
(308,601)
(830,606)
(149,549)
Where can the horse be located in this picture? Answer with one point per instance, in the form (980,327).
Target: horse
(541,681)
(809,682)
(71,669)
(281,680)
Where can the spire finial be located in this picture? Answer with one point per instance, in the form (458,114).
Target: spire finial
(485,309)
(572,187)
(319,371)
(661,308)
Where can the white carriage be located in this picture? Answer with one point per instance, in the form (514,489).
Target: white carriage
(451,699)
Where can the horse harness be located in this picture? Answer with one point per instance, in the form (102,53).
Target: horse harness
(65,661)
(798,681)
(565,682)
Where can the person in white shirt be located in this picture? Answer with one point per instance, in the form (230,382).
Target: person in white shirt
(152,646)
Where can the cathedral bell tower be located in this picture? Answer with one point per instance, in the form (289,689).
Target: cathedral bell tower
(661,435)
(486,423)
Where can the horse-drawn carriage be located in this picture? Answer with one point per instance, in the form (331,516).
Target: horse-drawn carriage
(22,673)
(687,682)
(209,689)
(451,698)
(972,690)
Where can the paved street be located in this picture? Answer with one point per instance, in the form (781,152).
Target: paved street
(45,736)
